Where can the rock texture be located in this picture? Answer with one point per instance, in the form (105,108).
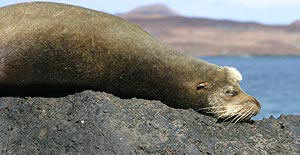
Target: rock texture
(98,123)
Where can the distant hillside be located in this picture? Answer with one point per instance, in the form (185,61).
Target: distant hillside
(296,23)
(203,36)
(151,11)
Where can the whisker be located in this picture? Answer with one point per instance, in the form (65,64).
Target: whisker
(249,112)
(239,116)
(236,116)
(220,116)
(212,107)
(233,114)
(224,115)
(228,118)
(252,113)
(221,111)
(246,113)
(242,117)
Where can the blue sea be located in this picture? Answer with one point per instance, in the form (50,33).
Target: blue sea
(274,81)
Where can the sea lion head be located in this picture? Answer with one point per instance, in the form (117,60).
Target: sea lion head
(225,99)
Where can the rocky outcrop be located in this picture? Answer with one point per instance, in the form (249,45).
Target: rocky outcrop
(99,123)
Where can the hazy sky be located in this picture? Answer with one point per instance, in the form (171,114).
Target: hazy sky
(263,11)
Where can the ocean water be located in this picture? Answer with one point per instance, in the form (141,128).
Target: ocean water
(274,81)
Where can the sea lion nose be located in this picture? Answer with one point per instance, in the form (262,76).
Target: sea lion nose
(256,102)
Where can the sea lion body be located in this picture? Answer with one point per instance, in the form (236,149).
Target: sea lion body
(49,47)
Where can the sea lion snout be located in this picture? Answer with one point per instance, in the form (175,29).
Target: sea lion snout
(250,102)
(255,104)
(234,106)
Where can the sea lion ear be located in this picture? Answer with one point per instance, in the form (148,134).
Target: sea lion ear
(233,73)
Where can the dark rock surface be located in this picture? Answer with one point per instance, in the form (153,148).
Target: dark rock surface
(99,123)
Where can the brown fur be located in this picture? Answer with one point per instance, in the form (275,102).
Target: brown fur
(46,47)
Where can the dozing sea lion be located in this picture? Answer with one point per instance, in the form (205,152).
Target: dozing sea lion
(49,47)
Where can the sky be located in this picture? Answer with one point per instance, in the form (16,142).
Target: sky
(277,12)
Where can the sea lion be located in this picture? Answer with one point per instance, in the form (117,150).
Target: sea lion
(48,47)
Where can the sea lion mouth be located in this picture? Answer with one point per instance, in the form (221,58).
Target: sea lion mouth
(234,112)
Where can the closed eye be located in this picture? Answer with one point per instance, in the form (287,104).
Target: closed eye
(231,93)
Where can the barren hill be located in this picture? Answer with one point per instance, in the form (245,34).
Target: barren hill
(296,23)
(151,11)
(203,36)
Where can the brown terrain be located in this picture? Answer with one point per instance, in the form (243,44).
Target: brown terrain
(203,36)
